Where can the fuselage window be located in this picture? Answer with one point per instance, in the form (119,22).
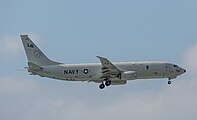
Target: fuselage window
(147,67)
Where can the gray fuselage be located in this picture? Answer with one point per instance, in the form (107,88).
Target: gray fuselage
(92,71)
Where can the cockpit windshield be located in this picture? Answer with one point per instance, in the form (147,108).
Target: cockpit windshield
(175,66)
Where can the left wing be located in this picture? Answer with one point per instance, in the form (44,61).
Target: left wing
(108,69)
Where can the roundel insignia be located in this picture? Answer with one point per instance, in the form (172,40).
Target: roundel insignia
(85,71)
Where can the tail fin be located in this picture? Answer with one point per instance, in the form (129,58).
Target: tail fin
(34,54)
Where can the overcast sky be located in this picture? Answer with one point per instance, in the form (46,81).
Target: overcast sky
(76,32)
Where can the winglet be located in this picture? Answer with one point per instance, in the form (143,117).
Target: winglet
(104,61)
(99,57)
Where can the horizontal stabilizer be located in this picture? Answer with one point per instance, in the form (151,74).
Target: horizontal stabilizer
(33,66)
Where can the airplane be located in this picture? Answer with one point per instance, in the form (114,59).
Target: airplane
(105,73)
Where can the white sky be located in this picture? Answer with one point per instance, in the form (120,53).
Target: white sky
(77,31)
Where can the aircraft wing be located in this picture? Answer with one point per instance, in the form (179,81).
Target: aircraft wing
(108,69)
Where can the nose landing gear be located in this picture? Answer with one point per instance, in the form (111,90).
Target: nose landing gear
(169,82)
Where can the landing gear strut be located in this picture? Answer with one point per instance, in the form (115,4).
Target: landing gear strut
(169,82)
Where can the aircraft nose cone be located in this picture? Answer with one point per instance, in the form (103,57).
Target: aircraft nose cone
(183,70)
(180,71)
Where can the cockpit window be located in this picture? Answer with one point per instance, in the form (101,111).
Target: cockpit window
(175,65)
(147,67)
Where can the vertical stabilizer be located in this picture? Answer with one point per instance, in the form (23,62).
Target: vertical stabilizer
(34,54)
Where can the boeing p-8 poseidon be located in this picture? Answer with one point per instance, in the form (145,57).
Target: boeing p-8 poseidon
(105,73)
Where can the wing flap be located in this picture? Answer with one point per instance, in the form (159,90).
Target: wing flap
(119,82)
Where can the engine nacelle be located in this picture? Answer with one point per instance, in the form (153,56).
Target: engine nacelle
(128,75)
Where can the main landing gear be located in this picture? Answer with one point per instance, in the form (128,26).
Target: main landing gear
(107,83)
(102,85)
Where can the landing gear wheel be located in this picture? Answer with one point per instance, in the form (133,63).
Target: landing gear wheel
(101,86)
(169,82)
(108,83)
